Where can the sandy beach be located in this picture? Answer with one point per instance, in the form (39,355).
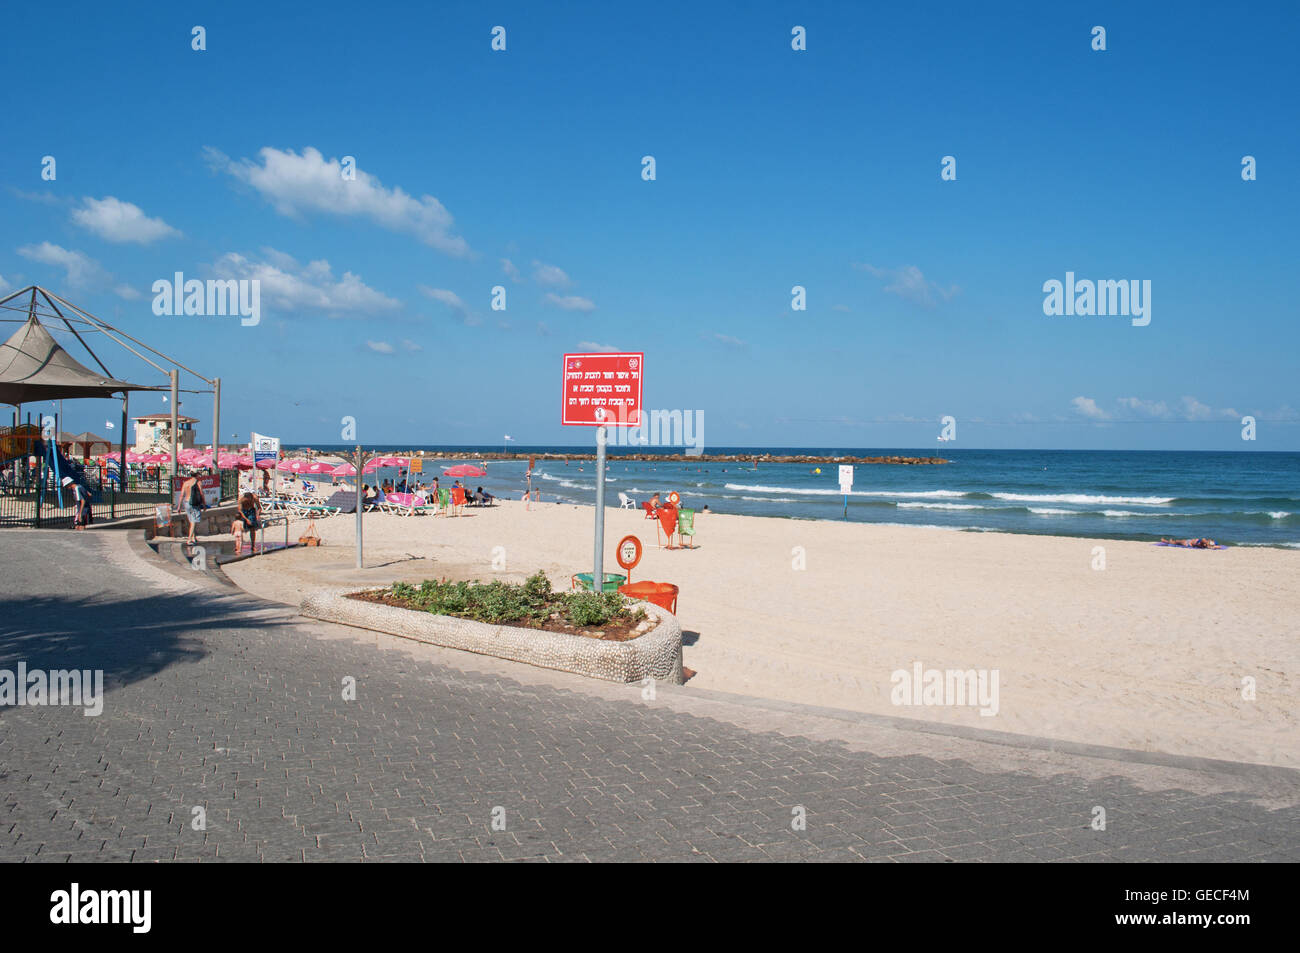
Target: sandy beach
(1149,653)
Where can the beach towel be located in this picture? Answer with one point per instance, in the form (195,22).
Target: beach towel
(345,500)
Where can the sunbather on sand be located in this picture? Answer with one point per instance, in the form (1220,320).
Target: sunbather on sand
(1199,543)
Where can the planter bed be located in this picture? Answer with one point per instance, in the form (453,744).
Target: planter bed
(656,653)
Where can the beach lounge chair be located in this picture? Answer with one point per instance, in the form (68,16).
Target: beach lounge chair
(457,499)
(313,510)
(404,504)
(649,510)
(343,501)
(444,499)
(625,502)
(685,527)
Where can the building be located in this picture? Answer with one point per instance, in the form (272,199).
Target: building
(153,433)
(78,446)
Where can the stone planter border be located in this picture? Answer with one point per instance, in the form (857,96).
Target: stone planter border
(655,654)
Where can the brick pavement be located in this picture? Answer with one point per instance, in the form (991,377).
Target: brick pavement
(217,701)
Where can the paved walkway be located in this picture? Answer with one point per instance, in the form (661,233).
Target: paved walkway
(215,700)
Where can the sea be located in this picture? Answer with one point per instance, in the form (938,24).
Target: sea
(1238,498)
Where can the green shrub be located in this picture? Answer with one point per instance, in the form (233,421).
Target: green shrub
(503,603)
(594,608)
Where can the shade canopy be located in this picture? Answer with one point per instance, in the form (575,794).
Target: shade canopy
(33,367)
(464,470)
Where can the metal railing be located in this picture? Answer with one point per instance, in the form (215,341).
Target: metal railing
(25,502)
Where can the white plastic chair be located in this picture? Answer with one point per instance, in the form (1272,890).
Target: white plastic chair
(625,502)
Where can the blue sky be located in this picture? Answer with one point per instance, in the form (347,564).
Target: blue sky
(775,168)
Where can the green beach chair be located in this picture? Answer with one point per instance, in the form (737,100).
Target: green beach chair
(686,526)
(444,499)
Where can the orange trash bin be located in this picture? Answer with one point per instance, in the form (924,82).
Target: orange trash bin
(662,594)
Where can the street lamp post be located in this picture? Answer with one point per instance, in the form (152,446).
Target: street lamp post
(359,458)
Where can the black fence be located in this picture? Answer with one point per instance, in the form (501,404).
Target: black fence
(30,495)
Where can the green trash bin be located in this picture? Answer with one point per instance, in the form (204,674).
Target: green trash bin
(613,580)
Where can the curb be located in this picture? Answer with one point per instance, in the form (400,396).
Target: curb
(657,654)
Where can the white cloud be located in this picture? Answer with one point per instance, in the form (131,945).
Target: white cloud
(80,270)
(295,184)
(117,221)
(1148,408)
(545,274)
(452,301)
(292,287)
(408,345)
(44,198)
(4,285)
(593,346)
(570,302)
(1193,409)
(1088,407)
(449,298)
(909,283)
(382,347)
(511,270)
(1187,409)
(726,339)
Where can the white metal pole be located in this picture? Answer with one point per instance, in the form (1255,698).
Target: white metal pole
(598,575)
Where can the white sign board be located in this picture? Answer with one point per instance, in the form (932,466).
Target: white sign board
(265,448)
(846,478)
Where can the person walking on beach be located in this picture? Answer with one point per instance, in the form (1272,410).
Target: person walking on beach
(192,501)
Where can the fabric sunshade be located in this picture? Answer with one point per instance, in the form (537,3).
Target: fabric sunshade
(33,366)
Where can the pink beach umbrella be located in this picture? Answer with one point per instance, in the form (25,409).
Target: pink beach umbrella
(344,469)
(244,462)
(319,467)
(464,470)
(380,462)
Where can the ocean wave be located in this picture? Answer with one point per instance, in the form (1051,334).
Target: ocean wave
(1049,511)
(941,506)
(826,491)
(1083,498)
(1279,514)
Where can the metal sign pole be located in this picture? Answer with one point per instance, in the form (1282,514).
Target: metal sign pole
(598,575)
(360,499)
(175,422)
